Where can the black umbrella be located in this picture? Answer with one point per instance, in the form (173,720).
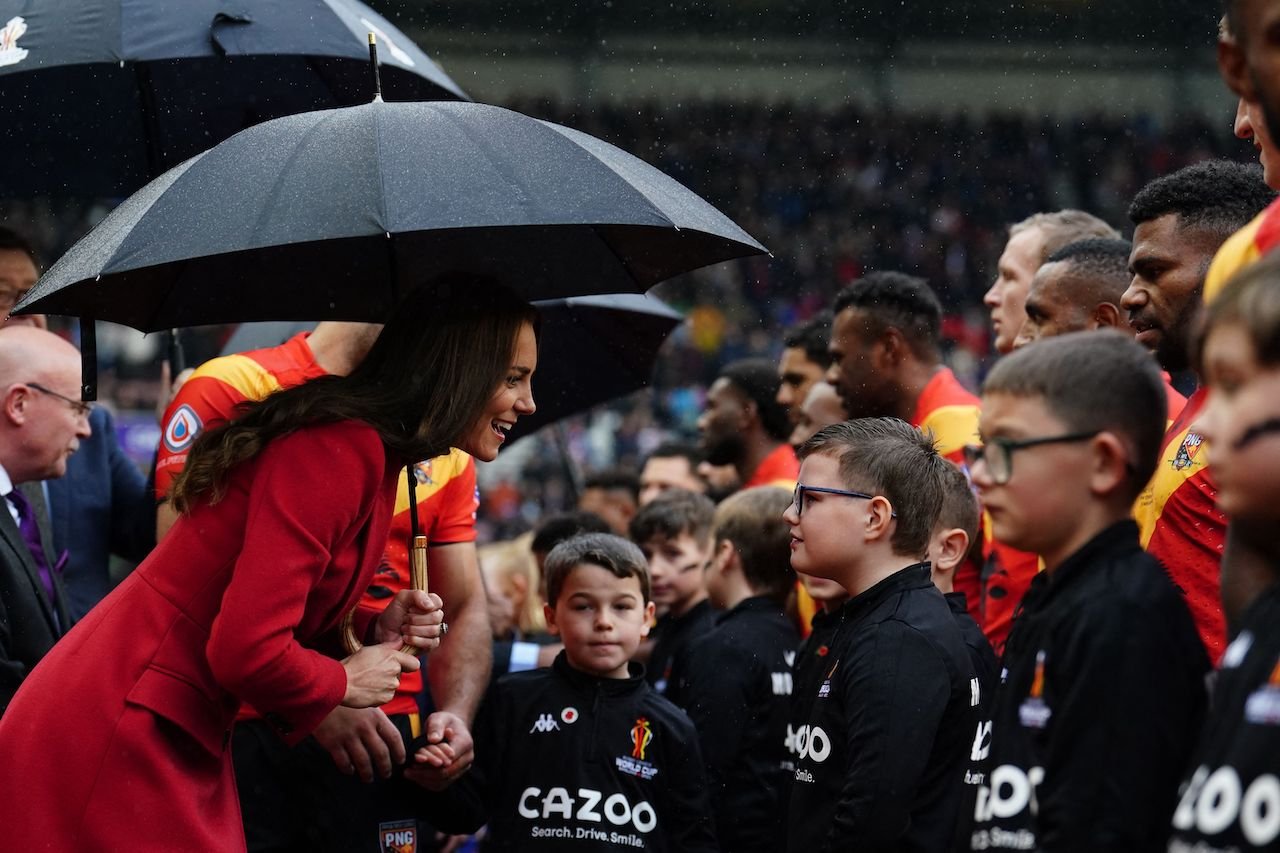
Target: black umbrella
(101,96)
(592,349)
(337,214)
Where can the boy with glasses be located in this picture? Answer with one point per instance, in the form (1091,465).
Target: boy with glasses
(1102,689)
(883,735)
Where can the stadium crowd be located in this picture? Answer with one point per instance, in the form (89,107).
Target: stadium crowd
(949,526)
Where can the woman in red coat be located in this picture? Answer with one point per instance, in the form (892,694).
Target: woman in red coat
(118,740)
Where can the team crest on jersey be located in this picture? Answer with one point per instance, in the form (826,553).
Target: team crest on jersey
(183,428)
(1034,713)
(398,836)
(1262,708)
(422,473)
(635,763)
(1186,455)
(10,53)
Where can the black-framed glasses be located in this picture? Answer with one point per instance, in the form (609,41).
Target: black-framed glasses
(797,498)
(81,408)
(997,454)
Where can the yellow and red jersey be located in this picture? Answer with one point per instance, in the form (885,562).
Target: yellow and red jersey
(948,410)
(447,496)
(1181,526)
(1243,248)
(780,468)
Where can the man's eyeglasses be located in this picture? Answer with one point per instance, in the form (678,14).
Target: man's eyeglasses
(798,501)
(997,454)
(81,408)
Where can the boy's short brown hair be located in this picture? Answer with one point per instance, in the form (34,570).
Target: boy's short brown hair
(752,521)
(888,456)
(1098,380)
(611,553)
(959,505)
(672,513)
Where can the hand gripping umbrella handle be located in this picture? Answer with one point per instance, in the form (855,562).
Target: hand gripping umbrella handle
(417,580)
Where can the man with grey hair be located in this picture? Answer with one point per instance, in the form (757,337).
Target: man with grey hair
(1030,243)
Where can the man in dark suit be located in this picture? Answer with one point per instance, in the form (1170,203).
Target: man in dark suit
(42,422)
(103,506)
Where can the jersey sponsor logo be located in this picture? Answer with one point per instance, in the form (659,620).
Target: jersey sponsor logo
(1186,455)
(10,53)
(589,806)
(569,715)
(809,742)
(399,836)
(545,723)
(1262,708)
(182,429)
(1009,792)
(789,658)
(1033,712)
(1216,800)
(422,473)
(641,737)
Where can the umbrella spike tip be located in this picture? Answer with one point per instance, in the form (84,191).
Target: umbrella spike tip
(373,38)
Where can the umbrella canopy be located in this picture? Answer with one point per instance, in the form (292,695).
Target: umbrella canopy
(337,214)
(591,349)
(103,95)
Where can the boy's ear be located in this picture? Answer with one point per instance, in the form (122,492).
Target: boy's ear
(650,611)
(724,556)
(880,520)
(1110,465)
(952,548)
(549,614)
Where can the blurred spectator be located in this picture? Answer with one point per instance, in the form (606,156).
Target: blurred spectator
(804,361)
(743,425)
(671,465)
(613,495)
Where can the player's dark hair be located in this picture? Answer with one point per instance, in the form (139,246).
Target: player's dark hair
(900,301)
(813,336)
(677,450)
(757,379)
(1098,268)
(1220,196)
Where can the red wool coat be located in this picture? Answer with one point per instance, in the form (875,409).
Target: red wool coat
(118,740)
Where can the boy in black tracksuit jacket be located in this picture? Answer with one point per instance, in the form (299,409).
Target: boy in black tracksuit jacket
(1231,788)
(585,756)
(1102,689)
(735,682)
(883,737)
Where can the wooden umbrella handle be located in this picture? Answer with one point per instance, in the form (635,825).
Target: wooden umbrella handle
(417,580)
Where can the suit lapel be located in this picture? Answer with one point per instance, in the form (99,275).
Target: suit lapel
(13,537)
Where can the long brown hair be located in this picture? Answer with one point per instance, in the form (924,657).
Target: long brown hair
(423,384)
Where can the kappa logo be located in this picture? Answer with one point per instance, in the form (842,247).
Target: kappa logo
(545,723)
(400,836)
(641,737)
(10,53)
(183,428)
(1186,455)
